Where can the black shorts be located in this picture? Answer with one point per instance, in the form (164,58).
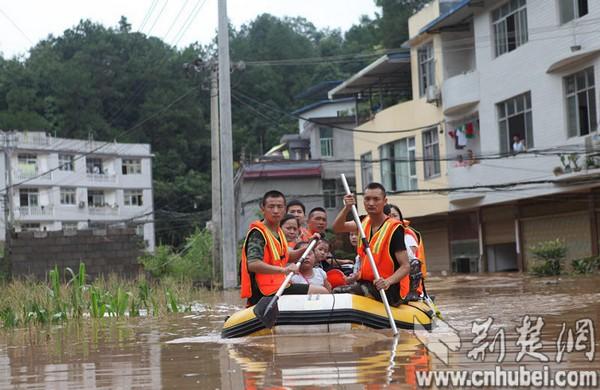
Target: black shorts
(392,293)
(292,289)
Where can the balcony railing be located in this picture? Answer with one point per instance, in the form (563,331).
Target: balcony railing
(460,91)
(24,174)
(36,211)
(103,210)
(101,177)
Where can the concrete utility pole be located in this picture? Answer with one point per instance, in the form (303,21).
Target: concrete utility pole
(9,222)
(228,242)
(215,170)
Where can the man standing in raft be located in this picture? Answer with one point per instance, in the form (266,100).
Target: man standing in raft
(266,258)
(386,240)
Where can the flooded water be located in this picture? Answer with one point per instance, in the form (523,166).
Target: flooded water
(186,351)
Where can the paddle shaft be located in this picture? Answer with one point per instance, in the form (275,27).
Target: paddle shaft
(363,238)
(298,263)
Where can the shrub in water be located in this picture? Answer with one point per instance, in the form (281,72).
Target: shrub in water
(549,256)
(586,265)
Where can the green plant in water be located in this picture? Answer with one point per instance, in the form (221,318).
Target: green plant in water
(78,287)
(97,304)
(586,265)
(8,318)
(144,293)
(549,256)
(171,301)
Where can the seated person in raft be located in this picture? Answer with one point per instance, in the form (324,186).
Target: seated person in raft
(266,257)
(309,273)
(386,240)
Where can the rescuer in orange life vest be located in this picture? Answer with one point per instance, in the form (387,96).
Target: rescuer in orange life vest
(386,240)
(266,257)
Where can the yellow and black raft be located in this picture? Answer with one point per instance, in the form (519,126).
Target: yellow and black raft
(328,313)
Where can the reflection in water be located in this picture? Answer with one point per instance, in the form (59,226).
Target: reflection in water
(186,351)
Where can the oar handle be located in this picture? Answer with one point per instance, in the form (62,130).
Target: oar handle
(298,263)
(363,238)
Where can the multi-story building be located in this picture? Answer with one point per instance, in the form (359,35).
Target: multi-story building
(57,183)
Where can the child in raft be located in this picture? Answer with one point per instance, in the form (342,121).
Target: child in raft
(309,274)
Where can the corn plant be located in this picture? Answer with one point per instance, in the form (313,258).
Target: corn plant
(171,301)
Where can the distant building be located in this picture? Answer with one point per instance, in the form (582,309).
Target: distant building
(60,183)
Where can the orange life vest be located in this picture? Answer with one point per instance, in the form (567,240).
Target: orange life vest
(275,253)
(380,248)
(419,254)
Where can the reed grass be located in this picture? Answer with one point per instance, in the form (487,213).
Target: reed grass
(69,295)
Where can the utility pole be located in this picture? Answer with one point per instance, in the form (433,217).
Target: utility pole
(9,213)
(228,242)
(215,147)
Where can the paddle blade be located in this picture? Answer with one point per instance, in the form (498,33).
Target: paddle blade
(266,310)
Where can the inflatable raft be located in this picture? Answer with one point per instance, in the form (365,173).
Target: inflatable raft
(328,313)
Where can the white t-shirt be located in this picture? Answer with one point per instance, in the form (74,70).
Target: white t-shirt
(318,278)
(410,241)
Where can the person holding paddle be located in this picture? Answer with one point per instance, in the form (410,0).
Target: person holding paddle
(385,237)
(266,257)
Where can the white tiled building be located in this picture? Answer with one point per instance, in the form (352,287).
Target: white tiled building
(60,183)
(527,69)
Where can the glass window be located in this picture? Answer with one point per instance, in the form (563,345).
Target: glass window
(329,194)
(398,165)
(67,196)
(431,153)
(94,165)
(132,167)
(133,198)
(96,198)
(29,197)
(426,68)
(30,227)
(366,168)
(65,162)
(69,226)
(580,95)
(509,23)
(326,139)
(515,124)
(572,9)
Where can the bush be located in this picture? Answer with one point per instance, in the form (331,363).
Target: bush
(549,256)
(587,265)
(192,263)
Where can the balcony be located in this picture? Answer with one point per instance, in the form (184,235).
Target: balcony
(104,210)
(101,178)
(35,211)
(460,92)
(27,174)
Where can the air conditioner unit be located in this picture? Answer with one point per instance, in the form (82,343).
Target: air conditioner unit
(433,94)
(81,204)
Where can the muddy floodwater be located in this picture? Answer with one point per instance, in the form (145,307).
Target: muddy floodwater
(504,320)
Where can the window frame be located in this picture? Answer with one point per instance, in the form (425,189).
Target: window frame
(387,155)
(66,162)
(502,43)
(329,194)
(366,168)
(589,77)
(504,116)
(131,166)
(133,196)
(426,64)
(431,159)
(30,194)
(67,193)
(575,8)
(96,194)
(326,143)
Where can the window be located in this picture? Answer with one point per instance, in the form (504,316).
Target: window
(326,137)
(69,226)
(580,93)
(133,198)
(30,227)
(93,165)
(27,164)
(431,153)
(65,162)
(426,68)
(515,122)
(329,194)
(96,198)
(510,26)
(572,9)
(29,197)
(366,168)
(67,196)
(398,165)
(132,167)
